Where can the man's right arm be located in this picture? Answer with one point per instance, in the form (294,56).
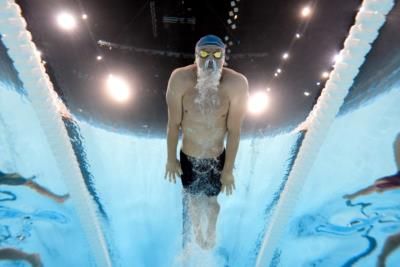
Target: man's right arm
(174,103)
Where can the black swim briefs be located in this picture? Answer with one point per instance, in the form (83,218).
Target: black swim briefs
(202,175)
(389,181)
(6,179)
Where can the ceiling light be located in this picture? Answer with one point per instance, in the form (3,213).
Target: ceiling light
(118,88)
(66,21)
(258,102)
(285,56)
(306,11)
(336,57)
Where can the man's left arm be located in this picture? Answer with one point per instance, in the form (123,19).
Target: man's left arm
(237,110)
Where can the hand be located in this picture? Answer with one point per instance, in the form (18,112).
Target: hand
(228,182)
(173,169)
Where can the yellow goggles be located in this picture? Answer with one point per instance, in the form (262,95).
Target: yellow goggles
(205,54)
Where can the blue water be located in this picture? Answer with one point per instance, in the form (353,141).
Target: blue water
(142,214)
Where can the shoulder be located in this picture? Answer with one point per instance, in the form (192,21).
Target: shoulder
(180,79)
(183,74)
(236,81)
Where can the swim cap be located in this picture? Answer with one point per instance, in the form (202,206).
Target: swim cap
(210,40)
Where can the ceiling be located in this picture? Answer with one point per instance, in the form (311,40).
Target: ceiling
(148,39)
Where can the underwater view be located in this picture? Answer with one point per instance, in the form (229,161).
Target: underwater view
(321,190)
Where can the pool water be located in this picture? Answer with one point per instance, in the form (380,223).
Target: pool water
(142,215)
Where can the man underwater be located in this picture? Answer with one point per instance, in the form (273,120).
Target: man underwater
(381,185)
(207,101)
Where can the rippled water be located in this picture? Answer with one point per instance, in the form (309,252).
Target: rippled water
(143,215)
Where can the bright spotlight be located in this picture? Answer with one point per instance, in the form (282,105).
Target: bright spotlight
(84,16)
(318,83)
(298,35)
(306,11)
(276,74)
(258,102)
(66,21)
(117,88)
(325,74)
(285,56)
(336,57)
(99,57)
(278,70)
(306,93)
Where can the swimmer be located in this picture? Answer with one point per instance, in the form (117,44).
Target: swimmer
(207,101)
(380,185)
(383,184)
(15,179)
(15,254)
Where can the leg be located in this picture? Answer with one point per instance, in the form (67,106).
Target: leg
(14,254)
(364,191)
(15,179)
(391,243)
(212,214)
(196,202)
(44,191)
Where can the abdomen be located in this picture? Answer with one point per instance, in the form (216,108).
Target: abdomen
(203,140)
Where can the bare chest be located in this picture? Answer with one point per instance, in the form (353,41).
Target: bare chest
(210,105)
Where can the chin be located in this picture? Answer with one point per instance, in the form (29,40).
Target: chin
(205,71)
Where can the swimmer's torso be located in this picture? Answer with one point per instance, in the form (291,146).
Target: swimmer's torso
(204,123)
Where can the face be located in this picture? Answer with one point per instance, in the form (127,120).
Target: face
(210,58)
